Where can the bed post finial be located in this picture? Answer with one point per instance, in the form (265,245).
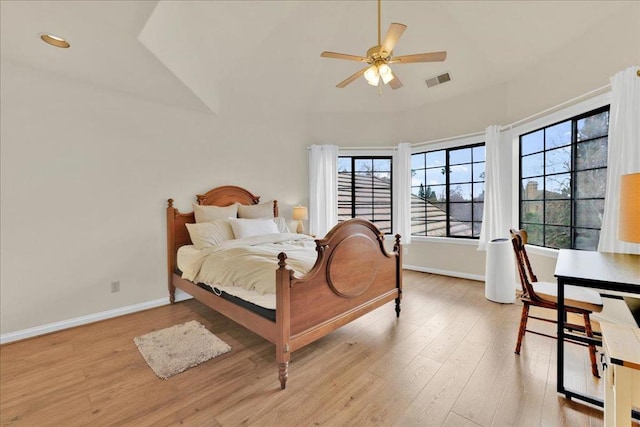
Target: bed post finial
(397,245)
(282,257)
(170,202)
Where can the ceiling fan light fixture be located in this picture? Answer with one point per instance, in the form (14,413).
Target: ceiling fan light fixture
(385,73)
(372,75)
(375,81)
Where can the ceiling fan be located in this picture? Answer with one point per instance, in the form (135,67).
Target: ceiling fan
(380,56)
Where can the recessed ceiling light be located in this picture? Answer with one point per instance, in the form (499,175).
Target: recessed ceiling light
(54,40)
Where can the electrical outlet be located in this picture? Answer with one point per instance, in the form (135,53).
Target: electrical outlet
(405,250)
(115,286)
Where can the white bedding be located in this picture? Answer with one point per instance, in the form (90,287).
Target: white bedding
(246,267)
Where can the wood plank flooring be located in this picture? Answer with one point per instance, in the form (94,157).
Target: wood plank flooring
(448,361)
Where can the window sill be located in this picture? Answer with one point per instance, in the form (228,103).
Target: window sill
(446,240)
(539,250)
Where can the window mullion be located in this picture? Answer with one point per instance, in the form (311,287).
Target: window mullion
(448,192)
(574,150)
(472,192)
(373,196)
(353,187)
(544,187)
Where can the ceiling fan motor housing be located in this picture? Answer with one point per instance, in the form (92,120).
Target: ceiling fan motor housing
(374,54)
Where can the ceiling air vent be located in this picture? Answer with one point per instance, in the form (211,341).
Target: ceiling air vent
(437,80)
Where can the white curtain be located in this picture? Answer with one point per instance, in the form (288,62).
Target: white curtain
(624,154)
(496,214)
(323,189)
(402,191)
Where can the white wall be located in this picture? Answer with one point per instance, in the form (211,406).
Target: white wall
(353,130)
(465,114)
(85,172)
(579,67)
(85,175)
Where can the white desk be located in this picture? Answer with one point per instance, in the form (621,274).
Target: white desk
(598,270)
(621,346)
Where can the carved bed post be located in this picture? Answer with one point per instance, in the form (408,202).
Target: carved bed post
(171,248)
(397,248)
(283,318)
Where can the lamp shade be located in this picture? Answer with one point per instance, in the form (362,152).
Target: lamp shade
(300,213)
(629,220)
(372,75)
(385,73)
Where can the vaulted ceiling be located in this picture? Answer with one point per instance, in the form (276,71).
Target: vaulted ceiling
(217,55)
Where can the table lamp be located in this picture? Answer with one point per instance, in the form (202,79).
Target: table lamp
(629,219)
(300,214)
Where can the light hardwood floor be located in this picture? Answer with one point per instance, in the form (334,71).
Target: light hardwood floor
(448,361)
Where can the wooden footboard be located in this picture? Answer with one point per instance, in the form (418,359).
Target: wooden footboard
(353,275)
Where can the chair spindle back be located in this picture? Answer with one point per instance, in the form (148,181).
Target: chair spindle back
(519,240)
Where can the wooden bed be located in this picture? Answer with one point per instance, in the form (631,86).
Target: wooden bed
(353,275)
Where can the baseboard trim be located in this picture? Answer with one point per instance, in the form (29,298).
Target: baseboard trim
(91,318)
(477,277)
(180,296)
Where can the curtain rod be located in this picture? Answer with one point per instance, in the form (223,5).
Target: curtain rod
(548,110)
(450,138)
(369,148)
(521,121)
(364,148)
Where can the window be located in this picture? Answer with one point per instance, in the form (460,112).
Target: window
(563,175)
(447,192)
(364,190)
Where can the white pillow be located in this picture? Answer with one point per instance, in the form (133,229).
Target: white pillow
(211,213)
(243,227)
(207,234)
(281,223)
(263,210)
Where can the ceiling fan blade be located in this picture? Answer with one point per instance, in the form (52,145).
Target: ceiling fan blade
(351,78)
(395,83)
(336,55)
(393,35)
(420,57)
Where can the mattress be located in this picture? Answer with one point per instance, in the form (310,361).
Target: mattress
(186,255)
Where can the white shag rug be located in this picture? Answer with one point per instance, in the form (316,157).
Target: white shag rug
(177,348)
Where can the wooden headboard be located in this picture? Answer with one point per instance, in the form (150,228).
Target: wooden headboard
(177,234)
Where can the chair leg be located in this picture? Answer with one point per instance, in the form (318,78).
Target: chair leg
(592,347)
(523,326)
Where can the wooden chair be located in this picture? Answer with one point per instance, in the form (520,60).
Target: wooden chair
(580,301)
